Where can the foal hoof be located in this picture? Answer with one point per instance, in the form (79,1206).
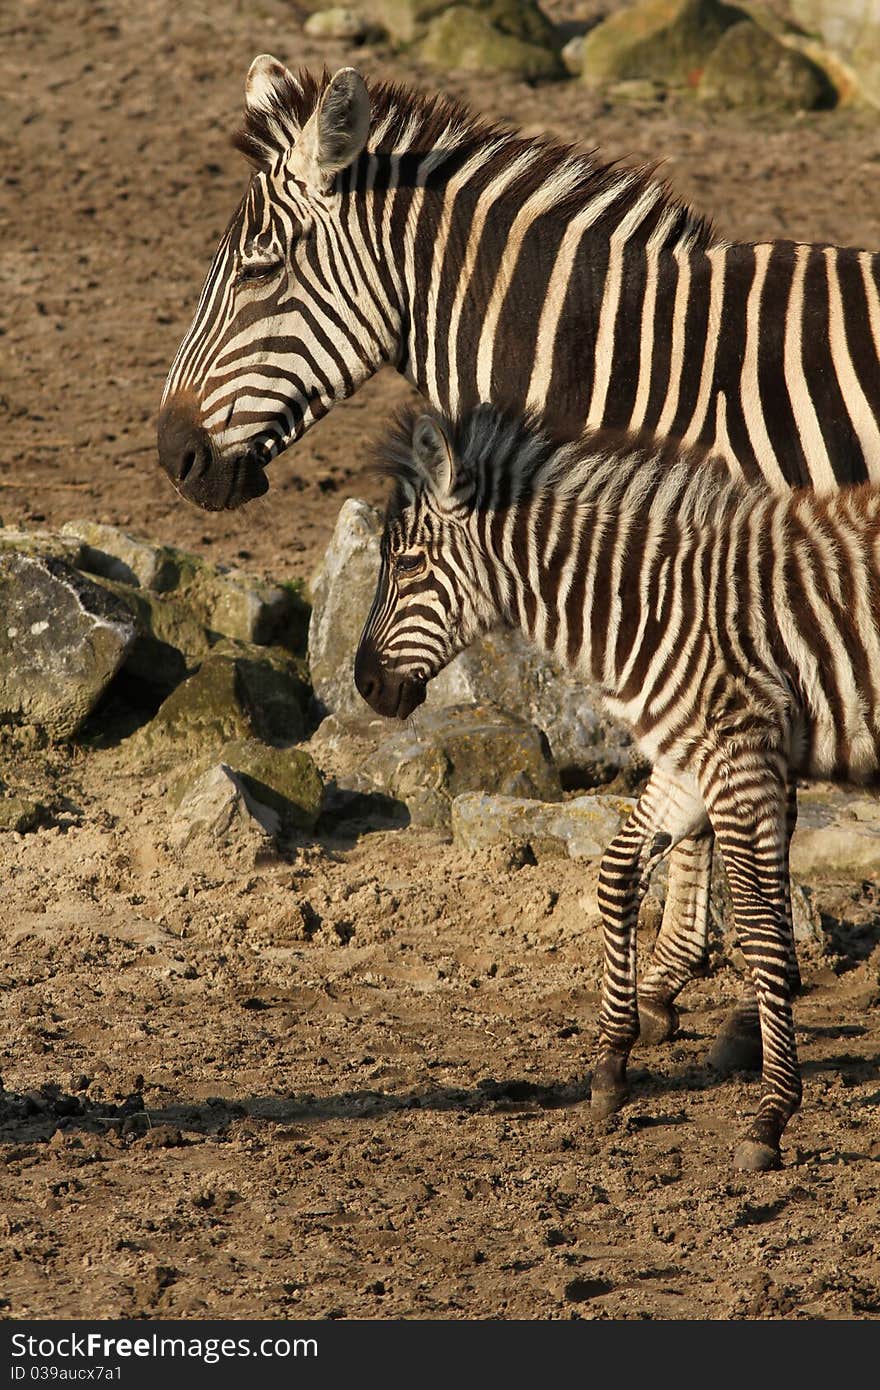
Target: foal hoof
(658,1022)
(751,1156)
(736,1049)
(607,1102)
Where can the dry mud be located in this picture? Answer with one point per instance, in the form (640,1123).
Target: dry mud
(352,1084)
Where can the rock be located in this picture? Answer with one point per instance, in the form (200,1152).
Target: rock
(851,30)
(221,599)
(239,691)
(339,23)
(114,554)
(667,40)
(439,754)
(838,832)
(501,669)
(285,780)
(219,808)
(66,548)
(749,67)
(404,20)
(578,829)
(342,592)
(643,89)
(507,37)
(505,670)
(275,688)
(805,918)
(233,603)
(62,640)
(572,55)
(170,642)
(18,814)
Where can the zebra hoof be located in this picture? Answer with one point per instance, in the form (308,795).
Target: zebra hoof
(751,1156)
(658,1022)
(606,1102)
(736,1049)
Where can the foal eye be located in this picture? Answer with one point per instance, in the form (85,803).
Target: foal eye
(409,564)
(258,270)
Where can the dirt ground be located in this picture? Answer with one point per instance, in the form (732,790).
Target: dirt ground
(352,1084)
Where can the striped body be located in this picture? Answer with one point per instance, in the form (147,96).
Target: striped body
(381,226)
(736,630)
(488,267)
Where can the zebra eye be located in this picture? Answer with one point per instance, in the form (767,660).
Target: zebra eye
(258,270)
(408,564)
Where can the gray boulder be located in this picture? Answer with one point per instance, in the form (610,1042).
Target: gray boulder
(667,40)
(342,592)
(509,36)
(838,832)
(220,809)
(239,691)
(285,780)
(851,30)
(62,640)
(749,67)
(342,23)
(578,829)
(439,754)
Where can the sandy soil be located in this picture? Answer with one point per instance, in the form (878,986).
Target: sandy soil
(352,1084)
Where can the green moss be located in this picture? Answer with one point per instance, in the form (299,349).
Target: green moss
(668,40)
(467,39)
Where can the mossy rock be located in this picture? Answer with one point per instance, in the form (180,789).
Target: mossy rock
(464,748)
(284,779)
(667,40)
(474,40)
(404,20)
(170,641)
(750,68)
(850,30)
(239,691)
(18,814)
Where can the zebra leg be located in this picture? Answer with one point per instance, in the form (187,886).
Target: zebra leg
(668,811)
(680,952)
(738,1044)
(750,827)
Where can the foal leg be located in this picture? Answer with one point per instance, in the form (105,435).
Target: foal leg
(738,1044)
(668,811)
(750,823)
(680,952)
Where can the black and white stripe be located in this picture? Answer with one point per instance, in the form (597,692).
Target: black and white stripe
(736,630)
(384,226)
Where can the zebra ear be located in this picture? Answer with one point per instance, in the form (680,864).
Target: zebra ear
(270,127)
(336,131)
(433,455)
(265,85)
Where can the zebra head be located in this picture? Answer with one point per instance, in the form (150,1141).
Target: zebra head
(434,593)
(288,320)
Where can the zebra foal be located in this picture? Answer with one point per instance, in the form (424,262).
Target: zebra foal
(736,630)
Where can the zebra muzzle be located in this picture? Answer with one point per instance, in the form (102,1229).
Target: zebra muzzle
(388,693)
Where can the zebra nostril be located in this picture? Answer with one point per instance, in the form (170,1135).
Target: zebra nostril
(369,687)
(187,462)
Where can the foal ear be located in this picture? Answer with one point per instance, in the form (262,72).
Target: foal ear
(335,133)
(270,127)
(265,84)
(433,454)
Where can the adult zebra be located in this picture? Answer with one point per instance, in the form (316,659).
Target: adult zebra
(384,226)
